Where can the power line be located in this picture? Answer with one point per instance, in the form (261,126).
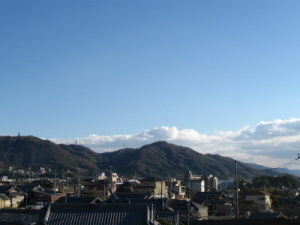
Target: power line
(286,165)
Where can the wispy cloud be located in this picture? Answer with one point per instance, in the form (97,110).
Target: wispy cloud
(270,143)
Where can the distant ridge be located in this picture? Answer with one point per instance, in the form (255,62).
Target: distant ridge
(28,151)
(159,159)
(279,170)
(164,159)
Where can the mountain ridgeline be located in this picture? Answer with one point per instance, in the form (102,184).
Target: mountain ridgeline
(159,159)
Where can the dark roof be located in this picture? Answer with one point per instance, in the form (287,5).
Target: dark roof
(158,204)
(26,188)
(208,195)
(20,216)
(73,200)
(267,215)
(5,189)
(8,190)
(125,214)
(124,197)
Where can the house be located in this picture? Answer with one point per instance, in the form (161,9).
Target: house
(4,201)
(199,197)
(176,189)
(3,178)
(127,186)
(194,210)
(47,196)
(15,195)
(153,185)
(31,200)
(197,186)
(216,202)
(200,209)
(256,200)
(127,197)
(100,189)
(224,207)
(194,183)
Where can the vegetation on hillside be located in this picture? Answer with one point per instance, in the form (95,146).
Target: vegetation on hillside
(160,159)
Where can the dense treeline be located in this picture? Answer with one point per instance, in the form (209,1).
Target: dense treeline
(277,182)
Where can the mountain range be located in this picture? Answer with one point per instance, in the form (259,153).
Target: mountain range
(159,159)
(279,170)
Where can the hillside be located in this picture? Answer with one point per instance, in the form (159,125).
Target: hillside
(29,151)
(163,159)
(157,159)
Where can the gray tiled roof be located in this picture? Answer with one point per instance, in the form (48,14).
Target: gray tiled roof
(19,216)
(26,188)
(158,204)
(90,214)
(73,200)
(208,195)
(124,197)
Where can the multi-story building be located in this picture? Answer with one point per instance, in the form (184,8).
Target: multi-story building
(211,183)
(153,185)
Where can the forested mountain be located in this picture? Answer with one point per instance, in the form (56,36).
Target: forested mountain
(28,151)
(164,159)
(157,159)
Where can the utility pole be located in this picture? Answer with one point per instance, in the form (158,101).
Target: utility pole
(161,188)
(236,193)
(78,183)
(66,191)
(55,185)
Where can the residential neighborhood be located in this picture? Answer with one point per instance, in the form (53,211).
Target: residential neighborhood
(102,199)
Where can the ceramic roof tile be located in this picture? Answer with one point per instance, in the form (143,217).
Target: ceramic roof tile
(117,214)
(73,200)
(22,216)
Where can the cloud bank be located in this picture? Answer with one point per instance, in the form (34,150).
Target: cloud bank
(271,143)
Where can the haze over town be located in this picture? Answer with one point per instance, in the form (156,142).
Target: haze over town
(220,77)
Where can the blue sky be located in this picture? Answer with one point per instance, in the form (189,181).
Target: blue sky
(74,69)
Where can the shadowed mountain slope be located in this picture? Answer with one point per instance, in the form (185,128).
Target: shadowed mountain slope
(29,151)
(159,159)
(163,159)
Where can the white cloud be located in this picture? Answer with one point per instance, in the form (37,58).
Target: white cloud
(270,143)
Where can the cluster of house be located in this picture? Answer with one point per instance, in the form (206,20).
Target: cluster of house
(135,201)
